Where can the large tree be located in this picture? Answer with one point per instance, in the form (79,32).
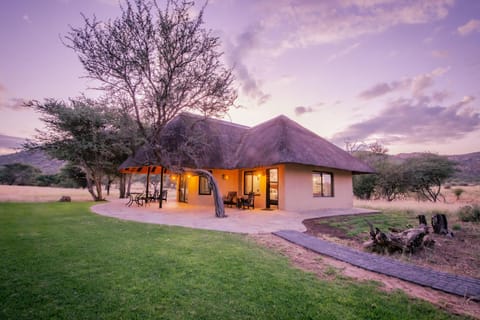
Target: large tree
(426,174)
(84,132)
(157,62)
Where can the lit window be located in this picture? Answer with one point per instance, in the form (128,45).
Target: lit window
(322,183)
(251,183)
(203,186)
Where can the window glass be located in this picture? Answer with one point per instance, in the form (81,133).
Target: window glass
(251,183)
(203,186)
(327,185)
(317,184)
(322,184)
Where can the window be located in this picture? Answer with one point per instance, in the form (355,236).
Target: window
(322,184)
(251,183)
(204,186)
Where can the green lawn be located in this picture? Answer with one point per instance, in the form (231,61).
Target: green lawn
(60,261)
(357,225)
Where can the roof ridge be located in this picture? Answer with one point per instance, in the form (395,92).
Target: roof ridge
(208,118)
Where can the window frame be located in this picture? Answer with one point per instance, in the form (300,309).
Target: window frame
(202,182)
(322,193)
(253,176)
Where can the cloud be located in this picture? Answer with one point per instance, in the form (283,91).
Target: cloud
(12,104)
(236,54)
(26,18)
(343,52)
(302,110)
(9,144)
(469,27)
(381,89)
(413,121)
(417,84)
(439,54)
(303,23)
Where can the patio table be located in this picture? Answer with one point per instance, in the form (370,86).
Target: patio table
(135,197)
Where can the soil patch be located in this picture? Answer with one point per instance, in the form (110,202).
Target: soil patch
(327,268)
(458,255)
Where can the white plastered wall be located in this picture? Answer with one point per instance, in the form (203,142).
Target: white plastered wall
(298,189)
(227,180)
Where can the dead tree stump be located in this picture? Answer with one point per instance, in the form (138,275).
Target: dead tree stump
(440,224)
(409,240)
(65,199)
(422,219)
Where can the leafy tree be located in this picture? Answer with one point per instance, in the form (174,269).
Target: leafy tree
(426,174)
(72,176)
(157,63)
(46,180)
(391,180)
(375,155)
(19,174)
(458,192)
(364,185)
(83,132)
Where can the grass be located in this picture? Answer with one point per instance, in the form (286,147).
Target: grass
(58,260)
(357,225)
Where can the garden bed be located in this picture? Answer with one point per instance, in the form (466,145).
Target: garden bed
(457,255)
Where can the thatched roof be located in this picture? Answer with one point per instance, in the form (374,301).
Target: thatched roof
(224,145)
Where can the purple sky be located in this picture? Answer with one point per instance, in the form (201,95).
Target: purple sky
(406,73)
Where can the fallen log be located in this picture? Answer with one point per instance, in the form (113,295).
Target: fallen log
(409,240)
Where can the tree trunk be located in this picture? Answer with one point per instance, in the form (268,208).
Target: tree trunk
(122,185)
(98,186)
(129,184)
(160,196)
(422,219)
(440,224)
(217,196)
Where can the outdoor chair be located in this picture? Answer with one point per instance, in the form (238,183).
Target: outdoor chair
(164,195)
(230,199)
(249,202)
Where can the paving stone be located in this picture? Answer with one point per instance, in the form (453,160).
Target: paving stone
(450,283)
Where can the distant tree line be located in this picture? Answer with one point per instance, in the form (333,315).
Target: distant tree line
(70,176)
(421,176)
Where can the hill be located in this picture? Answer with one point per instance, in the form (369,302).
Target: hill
(38,159)
(468,166)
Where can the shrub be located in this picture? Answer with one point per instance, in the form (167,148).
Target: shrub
(458,192)
(469,213)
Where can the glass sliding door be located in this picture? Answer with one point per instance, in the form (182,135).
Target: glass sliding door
(272,187)
(183,188)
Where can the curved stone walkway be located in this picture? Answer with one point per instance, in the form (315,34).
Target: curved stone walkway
(238,220)
(459,285)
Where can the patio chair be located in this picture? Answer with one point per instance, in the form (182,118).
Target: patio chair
(249,202)
(164,195)
(230,199)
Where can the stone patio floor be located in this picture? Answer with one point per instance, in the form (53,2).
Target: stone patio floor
(238,220)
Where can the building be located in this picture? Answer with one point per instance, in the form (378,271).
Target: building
(284,164)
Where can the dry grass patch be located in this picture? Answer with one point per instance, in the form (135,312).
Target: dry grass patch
(44,194)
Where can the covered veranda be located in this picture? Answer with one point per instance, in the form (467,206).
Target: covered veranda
(201,217)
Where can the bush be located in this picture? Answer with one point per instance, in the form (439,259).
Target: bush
(469,213)
(458,192)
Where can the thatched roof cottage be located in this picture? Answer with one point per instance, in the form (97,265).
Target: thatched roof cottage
(284,164)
